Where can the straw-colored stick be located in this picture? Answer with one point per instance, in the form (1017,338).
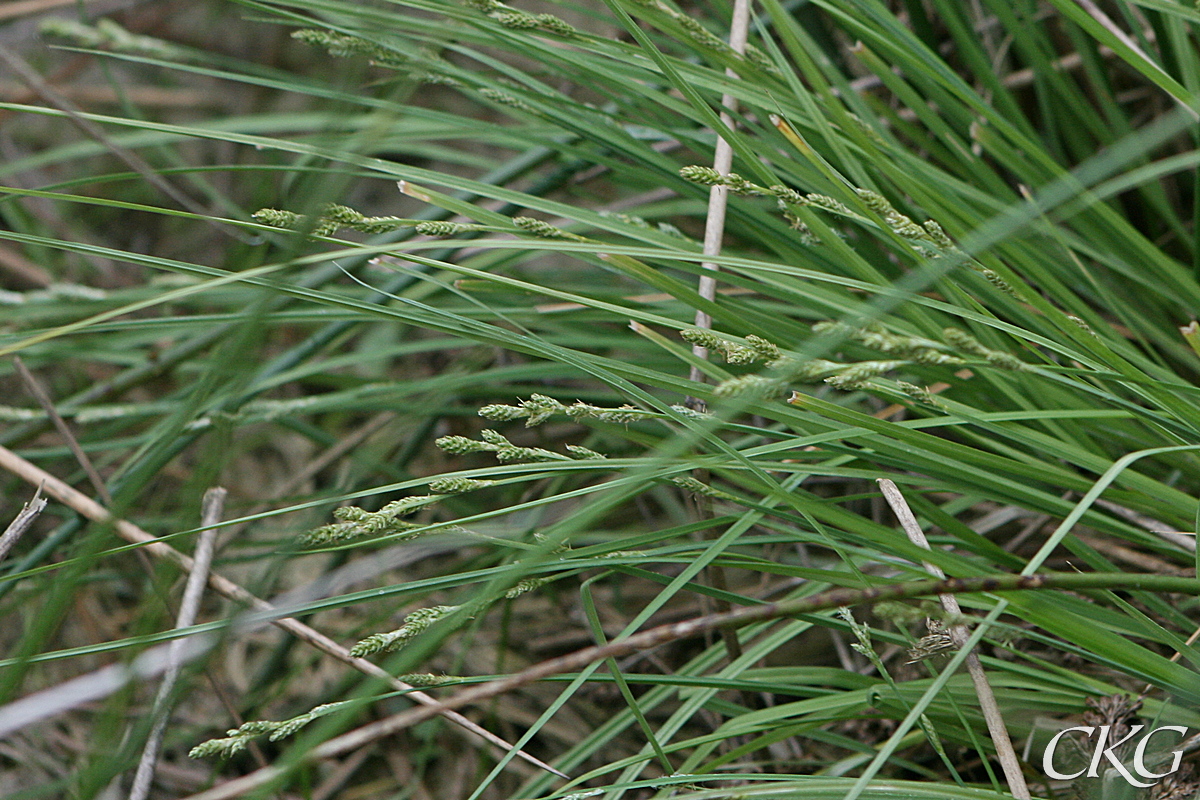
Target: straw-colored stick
(29,512)
(211,509)
(987,699)
(714,222)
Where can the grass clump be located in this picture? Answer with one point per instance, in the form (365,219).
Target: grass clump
(959,252)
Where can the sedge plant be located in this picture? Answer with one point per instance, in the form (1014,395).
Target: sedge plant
(429,311)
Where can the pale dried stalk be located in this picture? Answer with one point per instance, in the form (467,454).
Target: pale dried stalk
(714,222)
(211,509)
(89,508)
(714,232)
(1161,529)
(15,529)
(983,689)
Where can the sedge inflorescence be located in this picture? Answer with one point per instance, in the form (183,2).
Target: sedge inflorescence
(414,625)
(333,218)
(237,739)
(356,523)
(958,349)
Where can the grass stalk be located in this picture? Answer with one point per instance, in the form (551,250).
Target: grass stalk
(718,194)
(983,689)
(212,508)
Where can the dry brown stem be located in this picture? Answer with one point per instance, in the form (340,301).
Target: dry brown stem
(211,509)
(960,634)
(718,195)
(29,512)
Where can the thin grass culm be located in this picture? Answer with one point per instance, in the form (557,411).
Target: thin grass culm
(958,633)
(638,398)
